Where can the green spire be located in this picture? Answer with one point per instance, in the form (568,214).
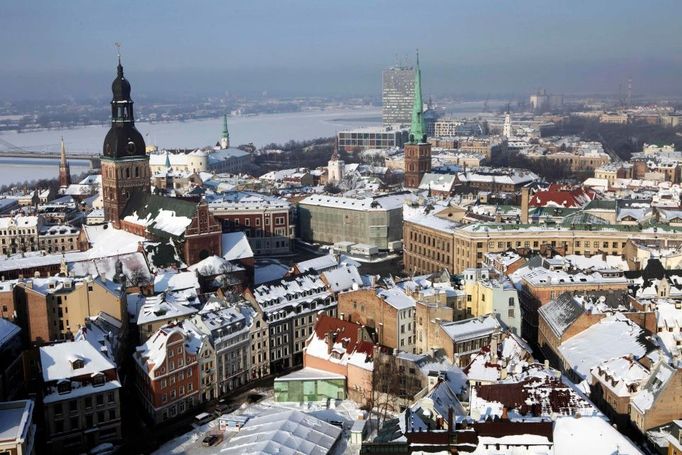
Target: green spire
(417,128)
(226,133)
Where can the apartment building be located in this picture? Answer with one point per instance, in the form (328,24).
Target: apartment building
(268,222)
(290,308)
(80,397)
(167,373)
(431,243)
(55,308)
(390,312)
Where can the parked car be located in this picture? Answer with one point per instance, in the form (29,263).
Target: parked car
(210,440)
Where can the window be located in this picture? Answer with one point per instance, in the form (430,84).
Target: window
(99,399)
(511,301)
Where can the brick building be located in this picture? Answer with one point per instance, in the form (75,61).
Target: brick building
(190,224)
(54,308)
(167,378)
(390,312)
(268,222)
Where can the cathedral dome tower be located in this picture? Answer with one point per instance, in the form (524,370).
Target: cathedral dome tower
(125,163)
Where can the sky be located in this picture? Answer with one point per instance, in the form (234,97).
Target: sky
(171,48)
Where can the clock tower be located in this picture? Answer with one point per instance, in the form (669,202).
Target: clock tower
(124,161)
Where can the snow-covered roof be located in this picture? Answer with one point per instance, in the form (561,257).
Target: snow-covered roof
(8,331)
(318,264)
(438,182)
(107,241)
(277,296)
(468,329)
(57,360)
(377,203)
(157,308)
(213,265)
(308,374)
(175,281)
(18,221)
(613,336)
(343,278)
(152,353)
(588,434)
(236,246)
(622,375)
(16,418)
(647,395)
(283,433)
(397,298)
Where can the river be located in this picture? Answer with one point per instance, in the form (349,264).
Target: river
(259,129)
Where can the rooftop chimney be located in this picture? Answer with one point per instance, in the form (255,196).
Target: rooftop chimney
(524,204)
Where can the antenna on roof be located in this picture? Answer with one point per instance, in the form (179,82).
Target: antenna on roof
(118,51)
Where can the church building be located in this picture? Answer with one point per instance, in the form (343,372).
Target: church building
(126,189)
(417,150)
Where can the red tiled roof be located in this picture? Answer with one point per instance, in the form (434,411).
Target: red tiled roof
(343,331)
(558,195)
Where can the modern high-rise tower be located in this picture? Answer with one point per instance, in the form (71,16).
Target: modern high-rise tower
(125,164)
(417,151)
(397,95)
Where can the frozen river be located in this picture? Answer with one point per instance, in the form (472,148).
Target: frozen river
(259,129)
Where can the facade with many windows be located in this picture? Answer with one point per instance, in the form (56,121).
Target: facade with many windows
(80,397)
(290,308)
(268,222)
(22,234)
(168,373)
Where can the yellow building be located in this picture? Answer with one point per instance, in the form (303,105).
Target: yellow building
(434,244)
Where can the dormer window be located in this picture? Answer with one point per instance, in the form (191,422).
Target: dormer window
(64,387)
(98,379)
(76,362)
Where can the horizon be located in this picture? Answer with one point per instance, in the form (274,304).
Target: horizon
(294,49)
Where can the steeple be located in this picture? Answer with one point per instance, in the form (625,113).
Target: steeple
(64,171)
(123,139)
(225,138)
(417,128)
(62,154)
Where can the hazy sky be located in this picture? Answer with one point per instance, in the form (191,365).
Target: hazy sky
(65,48)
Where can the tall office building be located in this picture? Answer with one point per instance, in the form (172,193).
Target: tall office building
(397,95)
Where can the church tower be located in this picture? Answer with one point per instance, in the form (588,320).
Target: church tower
(225,138)
(335,168)
(417,151)
(507,128)
(64,171)
(125,164)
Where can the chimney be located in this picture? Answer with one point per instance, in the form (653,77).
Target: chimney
(330,342)
(450,419)
(524,204)
(505,413)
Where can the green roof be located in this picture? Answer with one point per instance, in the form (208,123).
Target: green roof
(149,205)
(601,204)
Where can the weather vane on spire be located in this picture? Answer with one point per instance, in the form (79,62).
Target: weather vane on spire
(118,51)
